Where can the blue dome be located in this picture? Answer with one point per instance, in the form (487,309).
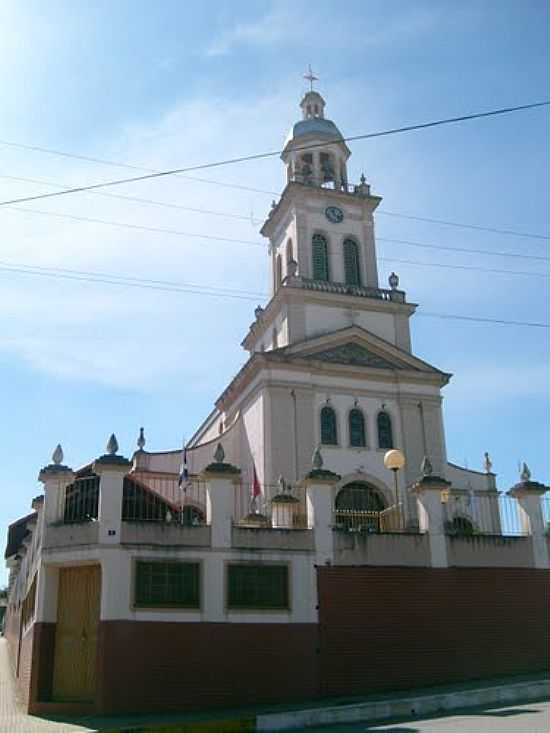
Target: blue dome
(314,126)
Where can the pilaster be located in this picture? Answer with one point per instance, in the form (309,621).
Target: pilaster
(529,493)
(111,469)
(55,477)
(429,493)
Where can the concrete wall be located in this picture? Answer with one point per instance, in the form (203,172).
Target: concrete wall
(381,549)
(490,551)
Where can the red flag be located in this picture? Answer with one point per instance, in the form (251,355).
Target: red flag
(256,488)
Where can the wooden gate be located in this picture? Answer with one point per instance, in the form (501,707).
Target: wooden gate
(79,595)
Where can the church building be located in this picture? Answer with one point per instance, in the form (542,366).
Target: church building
(311,539)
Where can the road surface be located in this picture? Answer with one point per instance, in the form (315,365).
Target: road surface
(530,718)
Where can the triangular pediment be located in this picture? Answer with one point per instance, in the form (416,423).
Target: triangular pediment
(354,354)
(356,347)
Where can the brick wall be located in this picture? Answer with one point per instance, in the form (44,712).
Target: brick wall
(393,628)
(148,666)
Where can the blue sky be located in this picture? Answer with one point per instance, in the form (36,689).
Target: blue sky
(172,84)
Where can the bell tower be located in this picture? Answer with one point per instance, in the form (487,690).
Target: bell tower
(322,245)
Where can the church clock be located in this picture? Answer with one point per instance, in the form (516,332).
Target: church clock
(334,214)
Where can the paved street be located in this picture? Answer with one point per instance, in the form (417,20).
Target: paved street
(531,718)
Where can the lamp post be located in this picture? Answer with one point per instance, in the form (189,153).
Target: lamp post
(394,460)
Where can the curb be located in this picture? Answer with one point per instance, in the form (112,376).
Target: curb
(412,706)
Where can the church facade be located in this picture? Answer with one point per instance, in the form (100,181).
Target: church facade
(249,566)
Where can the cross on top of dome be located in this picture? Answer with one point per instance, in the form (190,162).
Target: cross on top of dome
(310,76)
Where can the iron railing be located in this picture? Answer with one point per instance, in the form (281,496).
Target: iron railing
(391,519)
(276,507)
(469,514)
(81,500)
(164,500)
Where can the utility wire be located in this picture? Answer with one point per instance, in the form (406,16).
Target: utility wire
(135,199)
(246,242)
(383,212)
(136,227)
(274,153)
(102,278)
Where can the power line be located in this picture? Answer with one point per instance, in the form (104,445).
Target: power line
(274,153)
(466,250)
(477,227)
(212,291)
(136,227)
(474,268)
(246,242)
(134,199)
(209,181)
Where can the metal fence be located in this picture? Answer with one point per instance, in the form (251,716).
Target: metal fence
(81,500)
(162,499)
(277,506)
(391,519)
(468,514)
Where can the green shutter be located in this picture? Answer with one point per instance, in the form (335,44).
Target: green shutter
(351,263)
(167,584)
(357,429)
(257,586)
(385,434)
(320,258)
(329,435)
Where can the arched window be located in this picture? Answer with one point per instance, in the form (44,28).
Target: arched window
(329,435)
(320,257)
(351,262)
(359,496)
(278,272)
(385,434)
(357,438)
(289,251)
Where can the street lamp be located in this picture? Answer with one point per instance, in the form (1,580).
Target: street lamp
(394,460)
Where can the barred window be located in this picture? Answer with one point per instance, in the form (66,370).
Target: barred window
(329,433)
(167,584)
(385,433)
(351,263)
(357,437)
(257,586)
(320,258)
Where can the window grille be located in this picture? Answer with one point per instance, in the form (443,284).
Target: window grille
(385,433)
(257,586)
(352,272)
(329,434)
(320,258)
(82,499)
(357,437)
(167,584)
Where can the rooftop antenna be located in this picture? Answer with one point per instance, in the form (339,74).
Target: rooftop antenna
(310,76)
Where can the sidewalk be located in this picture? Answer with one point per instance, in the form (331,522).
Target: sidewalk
(420,703)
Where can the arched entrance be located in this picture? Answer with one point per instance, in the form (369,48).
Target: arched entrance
(358,506)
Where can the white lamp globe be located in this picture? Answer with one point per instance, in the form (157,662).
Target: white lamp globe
(394,460)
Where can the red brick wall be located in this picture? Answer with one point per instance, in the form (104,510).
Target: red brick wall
(390,628)
(147,666)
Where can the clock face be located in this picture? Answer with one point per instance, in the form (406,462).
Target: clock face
(334,214)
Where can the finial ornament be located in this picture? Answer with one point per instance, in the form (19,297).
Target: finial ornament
(525,473)
(57,455)
(219,455)
(362,180)
(258,310)
(487,463)
(317,459)
(112,445)
(393,281)
(141,439)
(310,76)
(426,467)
